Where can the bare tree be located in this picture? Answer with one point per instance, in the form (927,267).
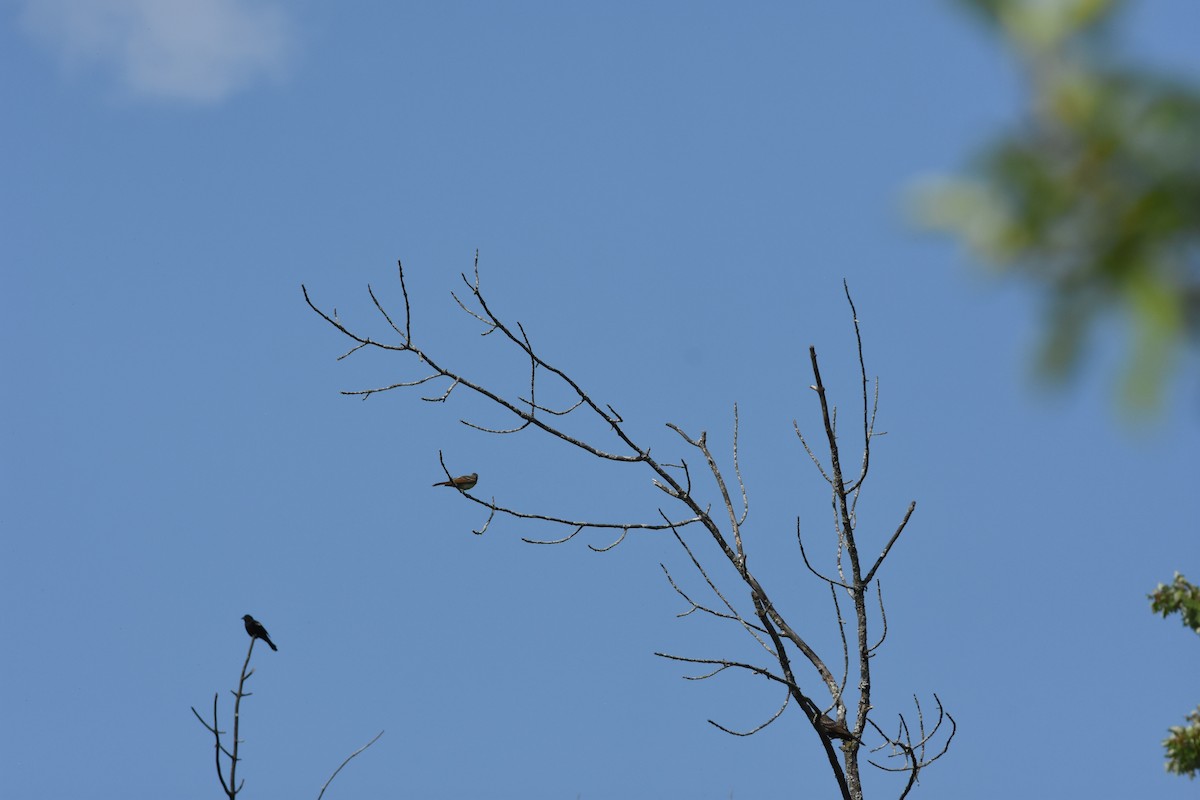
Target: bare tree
(230,785)
(788,658)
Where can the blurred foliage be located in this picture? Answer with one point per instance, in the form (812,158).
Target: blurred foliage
(1183,743)
(1183,746)
(1180,597)
(1096,195)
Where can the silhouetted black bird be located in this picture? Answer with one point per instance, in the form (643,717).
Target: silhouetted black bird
(257,631)
(462,482)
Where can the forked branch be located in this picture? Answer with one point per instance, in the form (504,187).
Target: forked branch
(231,787)
(763,620)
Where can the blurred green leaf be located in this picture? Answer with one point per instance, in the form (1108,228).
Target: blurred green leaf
(1096,198)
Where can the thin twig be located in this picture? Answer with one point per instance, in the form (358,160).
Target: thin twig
(697,607)
(218,748)
(899,529)
(347,761)
(882,617)
(752,629)
(787,698)
(804,555)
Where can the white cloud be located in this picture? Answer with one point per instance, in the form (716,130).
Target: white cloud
(196,50)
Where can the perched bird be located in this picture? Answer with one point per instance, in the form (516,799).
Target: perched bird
(835,729)
(462,482)
(257,631)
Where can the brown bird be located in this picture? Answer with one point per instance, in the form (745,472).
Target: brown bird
(257,631)
(836,729)
(462,482)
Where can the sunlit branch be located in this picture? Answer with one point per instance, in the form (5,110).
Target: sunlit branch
(768,625)
(750,628)
(900,529)
(698,607)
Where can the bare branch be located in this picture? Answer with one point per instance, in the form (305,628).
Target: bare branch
(882,617)
(769,618)
(737,471)
(407,309)
(787,698)
(767,625)
(769,614)
(737,555)
(230,787)
(517,429)
(563,413)
(675,490)
(837,610)
(527,416)
(605,549)
(871,433)
(375,300)
(698,607)
(563,540)
(914,752)
(402,384)
(900,529)
(804,555)
(218,748)
(532,369)
(725,664)
(752,629)
(486,523)
(531,402)
(862,365)
(694,605)
(706,675)
(347,761)
(572,523)
(237,716)
(352,350)
(807,449)
(845,527)
(491,324)
(445,395)
(335,323)
(494,508)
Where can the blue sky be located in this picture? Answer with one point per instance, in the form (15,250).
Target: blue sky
(668,197)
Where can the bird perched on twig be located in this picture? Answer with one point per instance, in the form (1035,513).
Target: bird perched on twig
(257,631)
(462,482)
